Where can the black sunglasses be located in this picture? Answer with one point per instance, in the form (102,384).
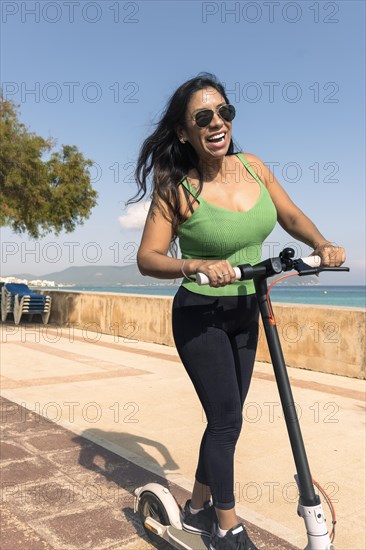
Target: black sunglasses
(204,117)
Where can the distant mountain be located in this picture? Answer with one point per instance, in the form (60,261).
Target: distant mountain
(96,275)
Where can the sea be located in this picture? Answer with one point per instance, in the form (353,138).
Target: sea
(346,296)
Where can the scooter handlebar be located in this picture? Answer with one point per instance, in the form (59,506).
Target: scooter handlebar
(247,271)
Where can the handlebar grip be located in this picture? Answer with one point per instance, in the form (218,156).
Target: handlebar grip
(312,261)
(202,279)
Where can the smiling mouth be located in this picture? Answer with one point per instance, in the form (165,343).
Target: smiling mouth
(217,138)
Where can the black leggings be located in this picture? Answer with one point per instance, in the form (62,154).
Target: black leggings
(216,338)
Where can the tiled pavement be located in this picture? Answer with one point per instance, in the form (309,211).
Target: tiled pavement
(61,491)
(66,489)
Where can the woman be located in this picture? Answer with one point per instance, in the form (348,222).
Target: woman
(221,206)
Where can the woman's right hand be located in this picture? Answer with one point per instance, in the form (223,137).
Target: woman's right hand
(219,272)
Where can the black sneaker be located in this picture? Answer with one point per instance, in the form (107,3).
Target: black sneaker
(235,539)
(201,523)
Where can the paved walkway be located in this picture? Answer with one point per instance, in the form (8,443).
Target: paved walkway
(86,418)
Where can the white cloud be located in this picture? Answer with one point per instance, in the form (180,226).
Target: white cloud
(135,216)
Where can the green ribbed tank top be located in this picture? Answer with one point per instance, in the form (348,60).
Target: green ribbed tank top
(216,233)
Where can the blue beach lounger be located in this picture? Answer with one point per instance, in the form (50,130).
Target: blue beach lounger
(17,298)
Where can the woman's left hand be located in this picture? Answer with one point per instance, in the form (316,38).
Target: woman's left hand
(331,255)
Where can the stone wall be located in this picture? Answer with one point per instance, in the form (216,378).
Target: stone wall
(324,339)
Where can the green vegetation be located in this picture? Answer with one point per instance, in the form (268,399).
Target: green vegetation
(37,196)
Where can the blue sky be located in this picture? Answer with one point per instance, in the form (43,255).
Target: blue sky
(97,75)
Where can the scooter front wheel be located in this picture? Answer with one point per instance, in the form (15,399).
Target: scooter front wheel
(151,506)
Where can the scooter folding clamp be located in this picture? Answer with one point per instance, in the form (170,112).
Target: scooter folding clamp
(316,527)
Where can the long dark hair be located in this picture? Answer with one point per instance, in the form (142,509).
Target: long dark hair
(163,155)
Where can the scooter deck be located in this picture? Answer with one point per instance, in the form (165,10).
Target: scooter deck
(187,540)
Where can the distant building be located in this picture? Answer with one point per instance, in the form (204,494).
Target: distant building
(36,282)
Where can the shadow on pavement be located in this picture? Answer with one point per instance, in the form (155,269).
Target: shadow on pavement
(99,459)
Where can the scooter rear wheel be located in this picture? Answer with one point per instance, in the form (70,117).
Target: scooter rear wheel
(151,506)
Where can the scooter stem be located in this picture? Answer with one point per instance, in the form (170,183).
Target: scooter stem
(309,508)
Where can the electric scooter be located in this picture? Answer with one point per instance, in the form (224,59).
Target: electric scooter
(160,513)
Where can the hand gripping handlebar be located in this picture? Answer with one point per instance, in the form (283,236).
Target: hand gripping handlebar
(273,266)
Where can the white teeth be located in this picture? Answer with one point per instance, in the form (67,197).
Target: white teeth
(216,136)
